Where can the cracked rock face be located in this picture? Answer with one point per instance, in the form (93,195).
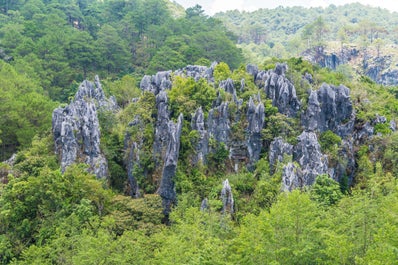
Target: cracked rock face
(280,90)
(292,177)
(218,123)
(330,108)
(161,126)
(156,83)
(307,153)
(202,148)
(255,116)
(76,128)
(167,189)
(277,150)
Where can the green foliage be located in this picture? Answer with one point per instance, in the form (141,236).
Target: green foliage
(325,190)
(187,95)
(124,90)
(328,141)
(32,206)
(26,111)
(221,72)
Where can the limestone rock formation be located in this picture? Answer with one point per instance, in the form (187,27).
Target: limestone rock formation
(76,129)
(167,189)
(280,90)
(197,72)
(201,148)
(156,83)
(330,108)
(218,123)
(292,177)
(227,198)
(252,69)
(255,116)
(277,150)
(161,126)
(307,153)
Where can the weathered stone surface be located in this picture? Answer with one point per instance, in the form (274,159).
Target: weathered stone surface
(228,86)
(307,153)
(292,177)
(218,123)
(197,72)
(201,148)
(167,189)
(255,116)
(330,108)
(331,60)
(281,91)
(309,78)
(156,83)
(252,69)
(161,126)
(227,198)
(277,150)
(76,129)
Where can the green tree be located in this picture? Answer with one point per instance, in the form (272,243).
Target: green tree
(325,190)
(113,52)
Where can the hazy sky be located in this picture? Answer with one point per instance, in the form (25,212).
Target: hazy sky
(214,6)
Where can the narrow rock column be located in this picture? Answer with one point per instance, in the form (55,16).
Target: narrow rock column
(227,198)
(167,189)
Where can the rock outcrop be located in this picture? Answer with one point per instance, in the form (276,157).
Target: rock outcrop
(307,160)
(255,116)
(167,189)
(218,123)
(161,127)
(197,72)
(227,198)
(156,83)
(277,151)
(280,90)
(76,128)
(292,177)
(307,153)
(330,108)
(202,145)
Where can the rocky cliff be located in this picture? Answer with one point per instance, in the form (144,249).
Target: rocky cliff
(233,132)
(377,67)
(76,128)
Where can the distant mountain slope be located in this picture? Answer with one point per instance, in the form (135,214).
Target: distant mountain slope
(295,31)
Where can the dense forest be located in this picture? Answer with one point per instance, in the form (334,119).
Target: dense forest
(135,132)
(49,47)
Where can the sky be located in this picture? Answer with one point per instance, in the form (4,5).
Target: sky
(213,6)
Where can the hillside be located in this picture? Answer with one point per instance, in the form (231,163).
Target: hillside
(360,36)
(131,133)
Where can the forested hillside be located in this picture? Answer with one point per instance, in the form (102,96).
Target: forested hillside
(363,37)
(132,133)
(49,47)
